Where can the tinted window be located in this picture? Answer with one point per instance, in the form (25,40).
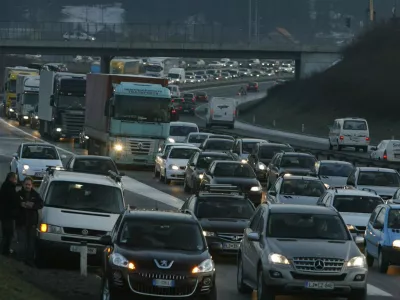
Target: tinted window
(39,152)
(93,166)
(197,138)
(252,83)
(247,147)
(219,145)
(182,153)
(226,137)
(306,226)
(378,179)
(205,161)
(268,152)
(85,196)
(188,95)
(233,170)
(224,208)
(182,130)
(335,169)
(143,234)
(303,187)
(356,204)
(305,162)
(203,93)
(394,219)
(355,125)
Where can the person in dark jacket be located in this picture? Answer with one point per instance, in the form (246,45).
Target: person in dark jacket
(8,211)
(27,220)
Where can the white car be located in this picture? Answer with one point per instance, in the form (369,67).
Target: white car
(216,64)
(386,150)
(78,35)
(197,138)
(32,159)
(174,163)
(178,131)
(164,149)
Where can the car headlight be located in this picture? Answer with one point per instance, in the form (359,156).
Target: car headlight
(278,259)
(120,261)
(118,147)
(350,227)
(50,228)
(396,244)
(173,167)
(356,262)
(255,189)
(205,266)
(26,117)
(26,167)
(11,110)
(171,140)
(261,166)
(208,233)
(201,176)
(244,161)
(36,117)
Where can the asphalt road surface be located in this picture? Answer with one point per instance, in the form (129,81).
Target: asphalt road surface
(143,191)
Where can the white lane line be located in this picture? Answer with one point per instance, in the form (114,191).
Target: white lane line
(374,291)
(130,184)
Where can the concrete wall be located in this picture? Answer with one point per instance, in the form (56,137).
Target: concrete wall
(311,63)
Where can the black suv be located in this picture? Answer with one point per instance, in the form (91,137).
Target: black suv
(159,254)
(223,213)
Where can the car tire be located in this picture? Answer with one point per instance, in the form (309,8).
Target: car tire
(241,286)
(358,295)
(330,145)
(108,293)
(383,263)
(166,180)
(365,149)
(370,259)
(186,188)
(156,173)
(262,289)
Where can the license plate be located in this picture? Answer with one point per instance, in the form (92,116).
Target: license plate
(320,285)
(163,283)
(354,138)
(217,116)
(39,174)
(231,246)
(78,249)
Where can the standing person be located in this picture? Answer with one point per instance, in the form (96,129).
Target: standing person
(28,217)
(8,211)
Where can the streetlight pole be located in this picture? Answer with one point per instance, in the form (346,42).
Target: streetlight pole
(250,21)
(256,20)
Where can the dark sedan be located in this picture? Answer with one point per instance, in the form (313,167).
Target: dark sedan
(202,96)
(92,164)
(217,145)
(235,173)
(252,87)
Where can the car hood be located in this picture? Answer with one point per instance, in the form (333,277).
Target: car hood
(383,191)
(334,181)
(355,219)
(294,199)
(297,171)
(40,164)
(291,248)
(178,162)
(224,225)
(238,181)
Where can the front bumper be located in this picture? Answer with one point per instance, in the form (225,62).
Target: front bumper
(37,180)
(286,281)
(175,174)
(392,254)
(221,247)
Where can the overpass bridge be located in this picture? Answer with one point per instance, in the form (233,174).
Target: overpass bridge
(173,40)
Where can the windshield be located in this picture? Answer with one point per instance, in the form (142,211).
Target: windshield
(173,75)
(39,152)
(182,153)
(306,226)
(188,96)
(70,102)
(94,166)
(303,162)
(268,152)
(247,147)
(356,204)
(225,208)
(85,196)
(355,125)
(31,99)
(302,187)
(218,145)
(197,138)
(233,170)
(181,130)
(153,68)
(201,94)
(379,179)
(12,86)
(142,109)
(335,169)
(204,162)
(154,234)
(394,218)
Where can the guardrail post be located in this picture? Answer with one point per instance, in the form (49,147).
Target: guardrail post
(83,254)
(254,119)
(274,123)
(392,137)
(302,127)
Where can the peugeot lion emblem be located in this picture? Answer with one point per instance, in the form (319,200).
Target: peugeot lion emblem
(319,265)
(139,145)
(85,232)
(163,264)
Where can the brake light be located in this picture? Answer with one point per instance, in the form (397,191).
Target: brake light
(367,139)
(173,111)
(172,100)
(180,107)
(385,155)
(194,100)
(341,138)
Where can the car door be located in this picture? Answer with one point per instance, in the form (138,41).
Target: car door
(255,248)
(377,235)
(369,239)
(274,168)
(190,169)
(274,191)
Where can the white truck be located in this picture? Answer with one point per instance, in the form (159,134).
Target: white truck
(177,75)
(27,91)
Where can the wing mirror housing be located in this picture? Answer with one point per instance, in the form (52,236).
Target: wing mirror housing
(254,236)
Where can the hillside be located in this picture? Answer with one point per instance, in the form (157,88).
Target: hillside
(364,84)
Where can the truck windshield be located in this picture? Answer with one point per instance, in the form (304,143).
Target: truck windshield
(173,75)
(12,86)
(154,68)
(71,102)
(31,99)
(142,109)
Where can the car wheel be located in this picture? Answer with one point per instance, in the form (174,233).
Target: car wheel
(358,295)
(383,263)
(370,259)
(166,180)
(330,145)
(186,188)
(241,286)
(156,173)
(262,290)
(365,149)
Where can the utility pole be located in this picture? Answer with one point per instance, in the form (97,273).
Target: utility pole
(256,21)
(250,21)
(371,11)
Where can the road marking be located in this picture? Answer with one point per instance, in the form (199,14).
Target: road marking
(374,291)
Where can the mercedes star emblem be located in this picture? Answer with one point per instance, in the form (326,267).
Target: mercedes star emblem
(85,232)
(319,264)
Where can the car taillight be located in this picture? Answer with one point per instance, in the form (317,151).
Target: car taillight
(173,111)
(385,155)
(180,107)
(367,139)
(341,138)
(194,100)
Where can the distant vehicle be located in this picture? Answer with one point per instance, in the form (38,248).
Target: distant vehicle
(386,150)
(334,172)
(252,87)
(201,96)
(216,64)
(177,75)
(197,138)
(349,132)
(125,66)
(175,91)
(245,146)
(221,111)
(78,35)
(178,131)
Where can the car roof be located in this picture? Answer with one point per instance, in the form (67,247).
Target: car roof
(200,133)
(80,156)
(301,209)
(219,139)
(374,169)
(215,153)
(325,161)
(274,145)
(297,154)
(160,215)
(186,146)
(352,192)
(249,140)
(300,177)
(77,177)
(211,196)
(183,124)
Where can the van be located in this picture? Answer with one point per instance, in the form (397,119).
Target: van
(386,150)
(177,75)
(221,111)
(175,92)
(349,132)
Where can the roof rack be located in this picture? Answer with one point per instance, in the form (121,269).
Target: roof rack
(221,189)
(52,169)
(114,176)
(370,190)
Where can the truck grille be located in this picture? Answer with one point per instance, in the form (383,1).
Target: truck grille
(318,264)
(231,237)
(83,231)
(72,123)
(141,147)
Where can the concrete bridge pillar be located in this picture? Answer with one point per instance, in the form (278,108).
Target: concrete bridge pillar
(311,63)
(105,64)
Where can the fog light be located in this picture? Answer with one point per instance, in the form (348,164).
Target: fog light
(207,281)
(275,274)
(359,277)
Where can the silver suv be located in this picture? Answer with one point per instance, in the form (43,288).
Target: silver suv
(300,249)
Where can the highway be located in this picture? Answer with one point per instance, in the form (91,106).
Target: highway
(143,191)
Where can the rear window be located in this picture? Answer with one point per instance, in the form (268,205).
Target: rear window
(394,218)
(355,125)
(379,179)
(94,166)
(188,95)
(335,169)
(204,161)
(201,93)
(197,138)
(303,161)
(182,130)
(224,208)
(224,145)
(269,152)
(356,204)
(233,170)
(253,84)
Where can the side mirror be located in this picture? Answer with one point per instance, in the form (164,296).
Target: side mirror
(15,155)
(254,236)
(105,240)
(359,240)
(63,156)
(122,174)
(272,193)
(192,165)
(52,100)
(374,148)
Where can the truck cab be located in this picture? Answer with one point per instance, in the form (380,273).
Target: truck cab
(27,97)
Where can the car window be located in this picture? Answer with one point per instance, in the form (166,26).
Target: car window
(268,152)
(394,218)
(306,162)
(335,169)
(380,219)
(356,204)
(354,125)
(182,153)
(247,147)
(224,208)
(94,166)
(379,179)
(197,138)
(255,220)
(182,130)
(204,161)
(218,145)
(39,152)
(303,187)
(233,170)
(374,213)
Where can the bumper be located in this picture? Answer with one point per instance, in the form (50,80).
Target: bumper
(220,247)
(353,144)
(289,282)
(175,174)
(392,255)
